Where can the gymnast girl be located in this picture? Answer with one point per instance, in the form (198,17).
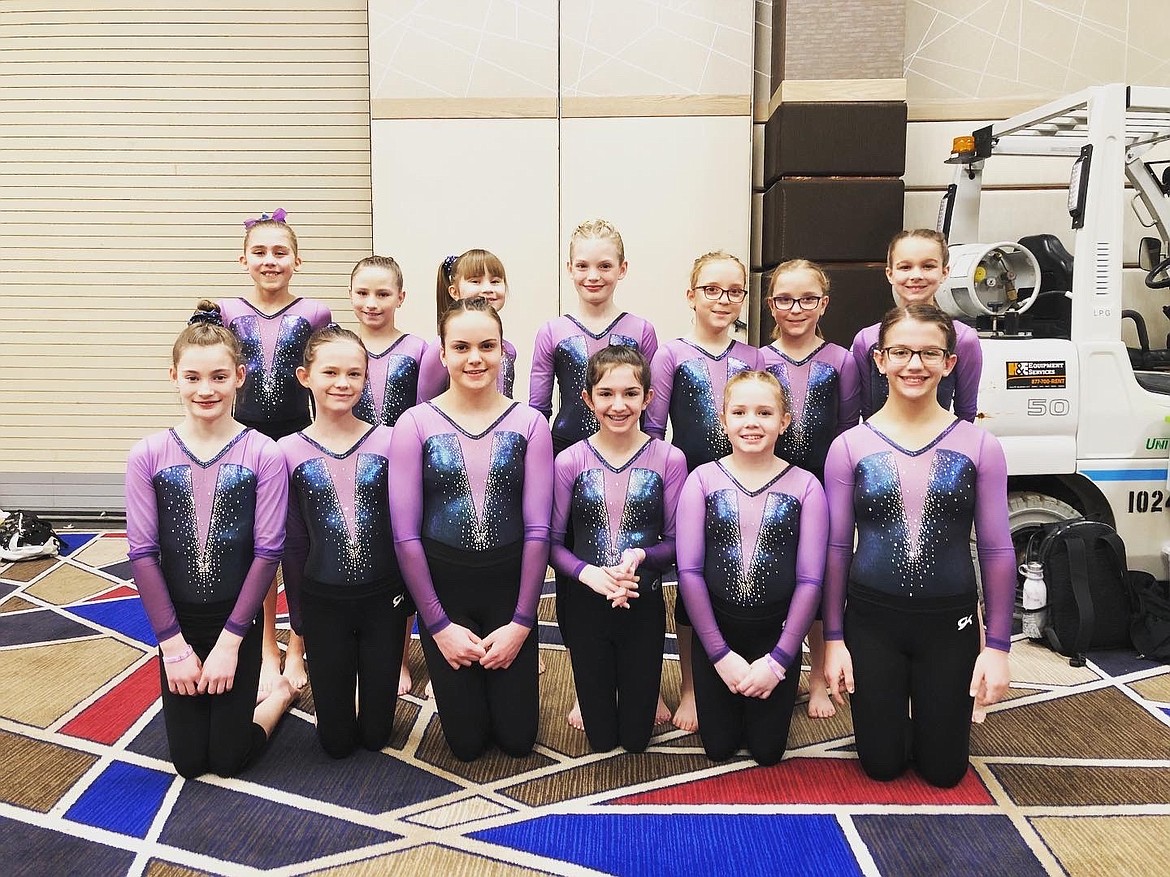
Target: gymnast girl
(205,507)
(563,345)
(273,326)
(475,274)
(751,552)
(821,391)
(688,377)
(470,512)
(902,628)
(345,593)
(917,263)
(620,488)
(395,357)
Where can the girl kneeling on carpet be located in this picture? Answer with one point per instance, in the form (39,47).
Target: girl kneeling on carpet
(205,510)
(751,555)
(900,608)
(619,489)
(470,511)
(340,571)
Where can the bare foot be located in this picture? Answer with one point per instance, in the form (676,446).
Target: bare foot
(978,715)
(820,705)
(280,697)
(270,677)
(429,691)
(405,683)
(686,717)
(294,669)
(574,717)
(661,713)
(539,664)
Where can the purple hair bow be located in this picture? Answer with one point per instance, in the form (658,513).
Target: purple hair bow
(277,215)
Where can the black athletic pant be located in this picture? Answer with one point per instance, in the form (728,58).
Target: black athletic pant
(617,661)
(478,707)
(728,721)
(214,733)
(355,641)
(912,664)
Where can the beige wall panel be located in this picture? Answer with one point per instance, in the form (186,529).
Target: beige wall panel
(446,186)
(656,47)
(675,188)
(433,49)
(138,135)
(960,55)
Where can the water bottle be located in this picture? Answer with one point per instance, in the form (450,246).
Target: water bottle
(1035,613)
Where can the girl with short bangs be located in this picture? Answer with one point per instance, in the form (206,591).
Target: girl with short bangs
(618,490)
(751,553)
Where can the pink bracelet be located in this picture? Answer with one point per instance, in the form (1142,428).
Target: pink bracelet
(182,656)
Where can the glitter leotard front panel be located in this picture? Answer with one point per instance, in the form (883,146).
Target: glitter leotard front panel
(913,512)
(752,553)
(273,346)
(561,351)
(205,523)
(688,388)
(615,508)
(339,505)
(391,381)
(471,493)
(821,394)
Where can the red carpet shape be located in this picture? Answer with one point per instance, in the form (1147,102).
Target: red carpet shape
(120,591)
(812,781)
(112,714)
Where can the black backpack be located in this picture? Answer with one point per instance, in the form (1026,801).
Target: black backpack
(1150,624)
(1088,597)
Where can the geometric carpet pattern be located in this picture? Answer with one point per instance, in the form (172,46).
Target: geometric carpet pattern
(1070,774)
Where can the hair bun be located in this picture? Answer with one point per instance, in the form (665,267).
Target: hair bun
(205,317)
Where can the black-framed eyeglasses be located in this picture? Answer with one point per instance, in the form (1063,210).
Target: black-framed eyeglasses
(807,302)
(927,355)
(711,292)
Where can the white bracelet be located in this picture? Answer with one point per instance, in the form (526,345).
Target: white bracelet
(182,656)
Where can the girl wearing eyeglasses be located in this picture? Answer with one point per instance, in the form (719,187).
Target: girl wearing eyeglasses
(689,375)
(902,627)
(917,263)
(821,392)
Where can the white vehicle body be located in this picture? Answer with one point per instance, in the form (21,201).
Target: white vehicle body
(1081,429)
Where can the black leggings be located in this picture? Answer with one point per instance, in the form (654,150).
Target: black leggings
(617,661)
(356,644)
(478,707)
(912,664)
(214,733)
(728,721)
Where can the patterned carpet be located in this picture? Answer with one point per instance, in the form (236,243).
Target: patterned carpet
(1070,776)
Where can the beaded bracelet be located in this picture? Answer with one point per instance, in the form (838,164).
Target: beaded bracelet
(182,656)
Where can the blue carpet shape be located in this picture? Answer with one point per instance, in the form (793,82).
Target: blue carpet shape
(125,616)
(33,851)
(944,844)
(125,799)
(6,589)
(39,626)
(371,782)
(252,831)
(667,845)
(1121,661)
(73,541)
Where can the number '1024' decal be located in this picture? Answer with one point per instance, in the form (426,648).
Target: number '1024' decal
(1143,501)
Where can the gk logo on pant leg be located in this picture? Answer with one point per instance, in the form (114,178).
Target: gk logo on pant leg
(963,622)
